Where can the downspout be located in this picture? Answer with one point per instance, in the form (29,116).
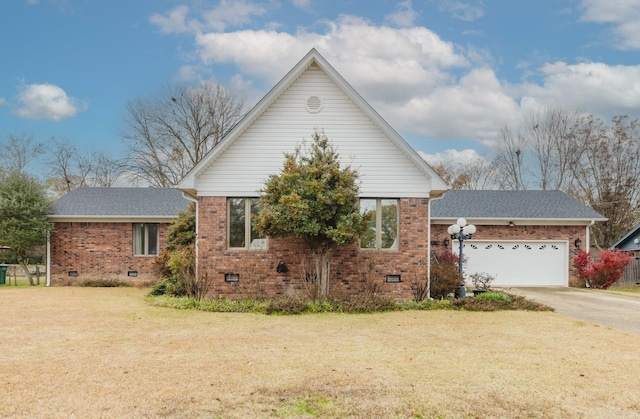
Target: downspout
(48,282)
(429,245)
(587,238)
(195,201)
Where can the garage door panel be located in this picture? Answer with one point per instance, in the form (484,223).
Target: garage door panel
(521,263)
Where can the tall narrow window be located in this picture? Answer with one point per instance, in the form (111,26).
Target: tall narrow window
(145,239)
(383,229)
(241,228)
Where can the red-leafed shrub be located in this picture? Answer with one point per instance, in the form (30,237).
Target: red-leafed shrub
(447,257)
(603,272)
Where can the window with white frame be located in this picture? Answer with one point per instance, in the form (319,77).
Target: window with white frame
(145,239)
(241,231)
(382,233)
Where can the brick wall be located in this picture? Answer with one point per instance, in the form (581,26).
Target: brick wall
(99,250)
(352,269)
(524,232)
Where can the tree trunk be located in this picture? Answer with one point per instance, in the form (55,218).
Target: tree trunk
(25,268)
(322,264)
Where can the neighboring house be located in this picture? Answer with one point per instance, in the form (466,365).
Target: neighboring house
(393,179)
(630,243)
(110,233)
(524,238)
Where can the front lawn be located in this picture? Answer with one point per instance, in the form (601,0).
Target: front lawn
(105,352)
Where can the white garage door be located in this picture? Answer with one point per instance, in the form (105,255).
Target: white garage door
(517,263)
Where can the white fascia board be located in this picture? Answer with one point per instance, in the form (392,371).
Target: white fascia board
(517,221)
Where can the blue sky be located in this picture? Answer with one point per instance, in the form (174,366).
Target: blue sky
(446,74)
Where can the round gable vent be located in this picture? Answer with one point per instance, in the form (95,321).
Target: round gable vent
(314,104)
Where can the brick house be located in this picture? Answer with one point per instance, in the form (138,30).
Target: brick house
(110,233)
(393,178)
(523,237)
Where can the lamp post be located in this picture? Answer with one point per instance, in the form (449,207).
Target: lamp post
(461,231)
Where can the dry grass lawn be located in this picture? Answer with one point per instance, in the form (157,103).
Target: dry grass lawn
(89,352)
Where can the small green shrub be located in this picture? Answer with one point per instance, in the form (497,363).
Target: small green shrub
(103,282)
(494,296)
(171,286)
(424,305)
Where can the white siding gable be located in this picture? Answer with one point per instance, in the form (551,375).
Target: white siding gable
(385,170)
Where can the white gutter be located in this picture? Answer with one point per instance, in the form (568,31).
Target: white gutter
(48,283)
(588,239)
(429,245)
(195,201)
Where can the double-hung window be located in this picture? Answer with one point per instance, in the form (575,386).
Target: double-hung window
(145,239)
(241,231)
(383,229)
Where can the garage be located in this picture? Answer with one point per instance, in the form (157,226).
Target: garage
(518,263)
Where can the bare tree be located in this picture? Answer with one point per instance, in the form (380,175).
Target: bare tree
(474,174)
(70,168)
(607,176)
(540,154)
(509,160)
(550,136)
(172,131)
(19,151)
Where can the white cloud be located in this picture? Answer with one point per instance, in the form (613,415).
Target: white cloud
(176,21)
(33,2)
(232,13)
(229,13)
(467,11)
(46,101)
(404,16)
(474,107)
(593,87)
(382,56)
(3,101)
(623,15)
(451,157)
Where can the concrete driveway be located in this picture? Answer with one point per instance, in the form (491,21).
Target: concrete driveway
(615,311)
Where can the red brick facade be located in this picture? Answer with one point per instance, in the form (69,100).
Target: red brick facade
(99,250)
(352,269)
(104,250)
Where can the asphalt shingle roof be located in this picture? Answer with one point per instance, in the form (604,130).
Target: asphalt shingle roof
(511,205)
(121,202)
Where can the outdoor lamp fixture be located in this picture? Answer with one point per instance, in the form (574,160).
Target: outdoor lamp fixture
(577,243)
(512,224)
(636,242)
(446,242)
(461,231)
